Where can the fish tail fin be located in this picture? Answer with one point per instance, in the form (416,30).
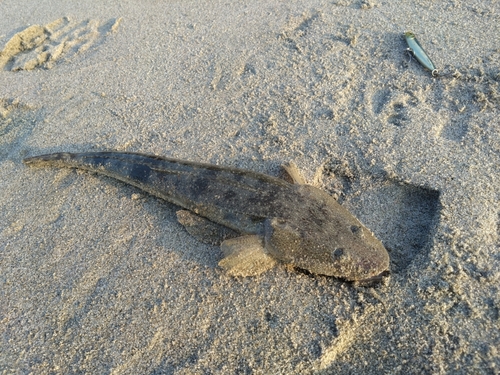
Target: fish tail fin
(57,159)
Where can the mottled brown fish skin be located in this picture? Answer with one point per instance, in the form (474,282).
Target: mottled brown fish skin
(301,225)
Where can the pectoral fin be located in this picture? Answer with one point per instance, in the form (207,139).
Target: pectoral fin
(204,230)
(245,256)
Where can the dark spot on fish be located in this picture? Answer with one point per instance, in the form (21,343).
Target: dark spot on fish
(355,229)
(256,219)
(211,173)
(318,213)
(200,185)
(139,172)
(229,194)
(230,217)
(256,200)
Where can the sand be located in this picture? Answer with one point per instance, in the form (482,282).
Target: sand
(97,277)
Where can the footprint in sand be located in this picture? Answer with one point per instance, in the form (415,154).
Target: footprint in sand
(42,46)
(17,121)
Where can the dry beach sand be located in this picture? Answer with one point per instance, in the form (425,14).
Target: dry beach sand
(97,277)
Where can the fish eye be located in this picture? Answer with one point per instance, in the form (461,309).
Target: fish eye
(337,253)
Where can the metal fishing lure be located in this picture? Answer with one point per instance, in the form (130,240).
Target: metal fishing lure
(418,52)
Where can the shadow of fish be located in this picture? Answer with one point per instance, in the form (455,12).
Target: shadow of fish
(258,219)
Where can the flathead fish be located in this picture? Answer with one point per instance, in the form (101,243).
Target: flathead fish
(258,219)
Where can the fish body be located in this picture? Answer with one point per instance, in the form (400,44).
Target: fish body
(296,224)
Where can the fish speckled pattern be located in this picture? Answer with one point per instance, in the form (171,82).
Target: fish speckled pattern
(296,223)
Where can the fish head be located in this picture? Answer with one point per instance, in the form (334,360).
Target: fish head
(325,238)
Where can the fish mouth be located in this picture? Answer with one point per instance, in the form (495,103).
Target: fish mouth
(374,280)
